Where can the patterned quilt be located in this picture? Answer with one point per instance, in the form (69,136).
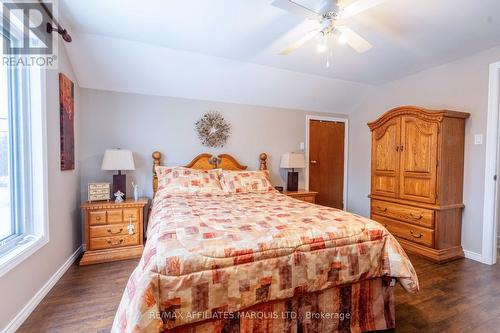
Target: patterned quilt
(209,254)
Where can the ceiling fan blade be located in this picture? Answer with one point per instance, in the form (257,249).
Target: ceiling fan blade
(354,40)
(296,9)
(358,7)
(300,42)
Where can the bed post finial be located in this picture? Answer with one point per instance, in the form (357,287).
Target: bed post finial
(156,162)
(263,161)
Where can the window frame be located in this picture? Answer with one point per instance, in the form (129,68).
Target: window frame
(8,239)
(29,196)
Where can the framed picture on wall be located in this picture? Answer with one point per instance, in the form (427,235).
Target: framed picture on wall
(67,126)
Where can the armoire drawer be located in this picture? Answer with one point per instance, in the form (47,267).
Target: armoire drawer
(407,231)
(415,215)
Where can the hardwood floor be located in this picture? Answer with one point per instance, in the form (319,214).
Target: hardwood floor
(84,300)
(460,296)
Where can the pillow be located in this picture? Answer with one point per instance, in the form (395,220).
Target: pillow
(188,181)
(246,181)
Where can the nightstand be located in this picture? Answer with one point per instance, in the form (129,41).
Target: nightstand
(107,234)
(304,195)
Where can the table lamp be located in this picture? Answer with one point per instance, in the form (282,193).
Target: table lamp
(118,160)
(292,161)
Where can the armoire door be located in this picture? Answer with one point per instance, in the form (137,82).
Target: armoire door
(385,159)
(326,162)
(419,141)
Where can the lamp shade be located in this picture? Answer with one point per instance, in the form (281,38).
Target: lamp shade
(118,159)
(292,160)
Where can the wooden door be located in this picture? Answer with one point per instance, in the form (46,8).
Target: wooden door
(386,159)
(419,141)
(326,162)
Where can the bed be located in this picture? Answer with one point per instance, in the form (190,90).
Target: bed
(260,262)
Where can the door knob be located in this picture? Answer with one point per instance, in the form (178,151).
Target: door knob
(314,162)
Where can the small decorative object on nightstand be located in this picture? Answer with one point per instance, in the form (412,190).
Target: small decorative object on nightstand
(292,161)
(118,160)
(136,191)
(99,191)
(119,196)
(113,231)
(304,195)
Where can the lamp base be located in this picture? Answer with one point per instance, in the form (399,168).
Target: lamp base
(119,184)
(292,181)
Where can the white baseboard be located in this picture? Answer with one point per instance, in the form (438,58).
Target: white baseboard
(474,256)
(38,297)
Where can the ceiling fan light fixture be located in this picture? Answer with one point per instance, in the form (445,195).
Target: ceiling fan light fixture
(343,38)
(331,16)
(321,47)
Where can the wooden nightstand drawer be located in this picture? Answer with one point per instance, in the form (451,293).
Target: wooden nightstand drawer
(97,217)
(114,216)
(113,242)
(130,213)
(111,230)
(307,198)
(303,195)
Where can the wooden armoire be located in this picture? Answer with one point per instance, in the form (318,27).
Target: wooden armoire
(417,178)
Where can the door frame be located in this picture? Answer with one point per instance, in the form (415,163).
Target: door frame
(346,149)
(491,186)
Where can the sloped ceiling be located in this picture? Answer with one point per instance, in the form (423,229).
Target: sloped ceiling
(127,66)
(229,49)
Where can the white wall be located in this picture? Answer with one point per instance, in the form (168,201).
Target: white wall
(147,123)
(461,85)
(19,285)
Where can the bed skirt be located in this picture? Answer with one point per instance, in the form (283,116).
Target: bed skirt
(359,307)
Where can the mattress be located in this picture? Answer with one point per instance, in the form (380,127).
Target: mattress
(225,253)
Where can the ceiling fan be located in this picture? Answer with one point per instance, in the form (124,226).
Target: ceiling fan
(332,16)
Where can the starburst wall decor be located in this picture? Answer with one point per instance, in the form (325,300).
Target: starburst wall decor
(213,130)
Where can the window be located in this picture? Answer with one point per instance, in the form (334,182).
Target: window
(6,228)
(23,213)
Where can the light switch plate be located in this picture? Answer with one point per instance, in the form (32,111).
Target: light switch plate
(478,139)
(302,146)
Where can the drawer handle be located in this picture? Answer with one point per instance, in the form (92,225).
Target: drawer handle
(416,236)
(416,217)
(114,233)
(98,218)
(110,242)
(382,210)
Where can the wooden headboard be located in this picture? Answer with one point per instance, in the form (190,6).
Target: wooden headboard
(207,162)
